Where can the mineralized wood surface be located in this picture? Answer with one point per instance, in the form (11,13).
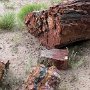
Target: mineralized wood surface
(62,24)
(3,67)
(59,57)
(42,78)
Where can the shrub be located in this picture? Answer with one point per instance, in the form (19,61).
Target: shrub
(29,8)
(7,21)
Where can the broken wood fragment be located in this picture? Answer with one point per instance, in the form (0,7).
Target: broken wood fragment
(59,57)
(42,78)
(3,67)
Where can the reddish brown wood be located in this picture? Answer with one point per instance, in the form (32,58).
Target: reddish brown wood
(50,80)
(3,67)
(59,57)
(61,24)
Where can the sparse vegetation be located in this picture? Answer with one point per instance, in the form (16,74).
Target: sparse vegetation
(7,21)
(9,5)
(75,57)
(55,1)
(29,8)
(19,24)
(5,0)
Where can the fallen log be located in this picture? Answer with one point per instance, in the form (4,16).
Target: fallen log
(61,24)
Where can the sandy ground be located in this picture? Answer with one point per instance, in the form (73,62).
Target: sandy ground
(78,78)
(23,50)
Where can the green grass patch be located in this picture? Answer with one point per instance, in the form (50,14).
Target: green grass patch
(7,21)
(20,25)
(29,8)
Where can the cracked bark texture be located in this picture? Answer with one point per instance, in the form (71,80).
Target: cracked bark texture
(61,24)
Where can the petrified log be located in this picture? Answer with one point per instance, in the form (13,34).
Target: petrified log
(62,24)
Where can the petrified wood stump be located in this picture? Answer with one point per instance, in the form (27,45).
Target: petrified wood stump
(62,24)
